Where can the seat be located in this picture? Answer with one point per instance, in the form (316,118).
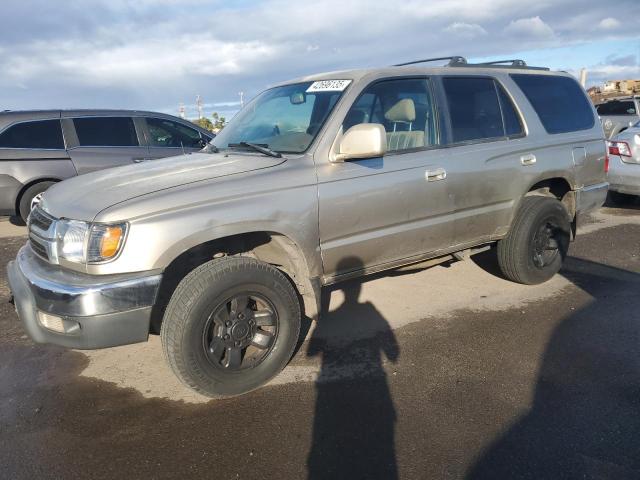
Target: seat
(403,113)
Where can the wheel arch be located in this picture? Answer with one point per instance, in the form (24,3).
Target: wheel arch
(271,247)
(30,184)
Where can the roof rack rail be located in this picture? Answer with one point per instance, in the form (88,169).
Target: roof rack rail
(514,63)
(455,60)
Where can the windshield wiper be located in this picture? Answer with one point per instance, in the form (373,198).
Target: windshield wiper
(258,148)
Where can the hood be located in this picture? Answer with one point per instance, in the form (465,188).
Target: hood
(83,197)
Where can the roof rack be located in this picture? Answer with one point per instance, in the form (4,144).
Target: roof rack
(458,61)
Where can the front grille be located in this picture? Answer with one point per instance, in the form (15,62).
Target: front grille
(38,248)
(40,220)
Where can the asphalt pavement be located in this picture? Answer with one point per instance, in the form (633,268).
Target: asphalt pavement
(446,372)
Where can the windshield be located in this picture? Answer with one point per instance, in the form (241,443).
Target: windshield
(616,107)
(285,119)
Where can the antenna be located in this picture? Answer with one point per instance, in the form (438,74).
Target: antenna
(181,110)
(241,99)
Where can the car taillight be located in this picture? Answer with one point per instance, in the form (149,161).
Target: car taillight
(620,149)
(606,163)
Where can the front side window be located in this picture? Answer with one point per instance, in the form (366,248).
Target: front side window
(617,107)
(106,132)
(285,119)
(166,133)
(560,102)
(46,134)
(405,108)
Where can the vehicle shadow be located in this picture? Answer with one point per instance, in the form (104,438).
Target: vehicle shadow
(354,422)
(17,221)
(583,422)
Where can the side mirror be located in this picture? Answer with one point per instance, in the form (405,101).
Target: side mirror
(365,140)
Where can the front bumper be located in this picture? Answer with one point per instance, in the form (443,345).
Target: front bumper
(591,197)
(92,311)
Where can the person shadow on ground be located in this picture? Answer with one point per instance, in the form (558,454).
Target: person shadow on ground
(354,423)
(584,420)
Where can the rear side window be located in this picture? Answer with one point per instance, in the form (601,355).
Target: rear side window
(106,132)
(617,107)
(559,102)
(479,109)
(38,134)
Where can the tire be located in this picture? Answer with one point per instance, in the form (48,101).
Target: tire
(202,326)
(527,254)
(618,198)
(24,208)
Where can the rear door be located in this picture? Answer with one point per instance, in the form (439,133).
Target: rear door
(167,138)
(100,142)
(485,139)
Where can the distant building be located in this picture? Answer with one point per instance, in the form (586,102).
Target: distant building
(625,87)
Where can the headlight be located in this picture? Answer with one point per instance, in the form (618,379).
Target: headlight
(81,242)
(70,238)
(105,242)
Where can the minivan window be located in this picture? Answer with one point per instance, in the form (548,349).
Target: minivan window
(617,107)
(169,134)
(404,107)
(45,134)
(106,132)
(560,102)
(474,108)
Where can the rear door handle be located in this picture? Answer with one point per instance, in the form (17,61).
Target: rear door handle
(529,159)
(140,160)
(435,175)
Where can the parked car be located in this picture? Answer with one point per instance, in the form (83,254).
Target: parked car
(315,181)
(618,114)
(624,165)
(40,148)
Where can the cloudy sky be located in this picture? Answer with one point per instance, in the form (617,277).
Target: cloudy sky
(154,54)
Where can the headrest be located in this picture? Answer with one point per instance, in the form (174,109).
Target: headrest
(403,111)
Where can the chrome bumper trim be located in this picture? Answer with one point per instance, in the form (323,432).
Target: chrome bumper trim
(67,293)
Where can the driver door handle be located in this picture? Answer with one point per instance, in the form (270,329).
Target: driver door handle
(436,175)
(140,160)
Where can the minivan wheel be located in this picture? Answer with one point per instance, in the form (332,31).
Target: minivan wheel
(231,325)
(28,197)
(536,245)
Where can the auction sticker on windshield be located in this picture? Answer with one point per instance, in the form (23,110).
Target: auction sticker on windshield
(328,86)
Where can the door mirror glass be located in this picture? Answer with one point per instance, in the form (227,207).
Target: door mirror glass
(365,140)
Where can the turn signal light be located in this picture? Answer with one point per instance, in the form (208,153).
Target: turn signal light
(110,241)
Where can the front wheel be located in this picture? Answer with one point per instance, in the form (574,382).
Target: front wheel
(537,243)
(231,325)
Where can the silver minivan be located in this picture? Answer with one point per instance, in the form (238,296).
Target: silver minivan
(39,148)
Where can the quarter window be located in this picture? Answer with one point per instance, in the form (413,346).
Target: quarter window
(166,133)
(512,123)
(45,134)
(106,132)
(560,102)
(404,107)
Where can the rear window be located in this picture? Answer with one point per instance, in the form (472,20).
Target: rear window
(106,132)
(616,107)
(560,103)
(479,109)
(37,134)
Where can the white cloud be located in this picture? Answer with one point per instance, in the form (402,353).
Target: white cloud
(533,27)
(466,30)
(609,23)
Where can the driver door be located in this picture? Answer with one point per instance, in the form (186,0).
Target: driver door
(378,212)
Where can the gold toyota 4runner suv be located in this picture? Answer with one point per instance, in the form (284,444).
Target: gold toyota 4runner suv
(316,180)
